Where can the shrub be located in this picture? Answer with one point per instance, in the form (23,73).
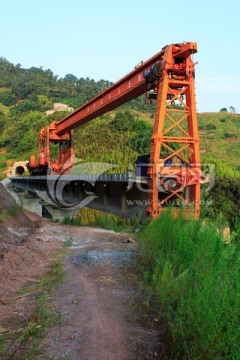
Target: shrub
(228,135)
(210,126)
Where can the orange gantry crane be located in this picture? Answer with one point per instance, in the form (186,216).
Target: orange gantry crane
(167,77)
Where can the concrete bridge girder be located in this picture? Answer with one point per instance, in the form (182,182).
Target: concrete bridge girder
(63,196)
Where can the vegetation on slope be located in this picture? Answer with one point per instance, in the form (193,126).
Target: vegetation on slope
(26,94)
(220,137)
(191,277)
(118,141)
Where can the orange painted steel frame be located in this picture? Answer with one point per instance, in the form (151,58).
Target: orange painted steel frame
(176,82)
(43,164)
(169,75)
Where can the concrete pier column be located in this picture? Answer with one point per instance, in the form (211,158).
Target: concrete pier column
(60,213)
(30,202)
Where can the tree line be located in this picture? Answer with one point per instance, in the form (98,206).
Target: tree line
(37,89)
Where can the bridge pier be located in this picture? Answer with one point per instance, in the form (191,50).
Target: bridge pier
(57,213)
(30,202)
(33,203)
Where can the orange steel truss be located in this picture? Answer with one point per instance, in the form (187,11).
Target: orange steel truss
(46,138)
(175,130)
(174,158)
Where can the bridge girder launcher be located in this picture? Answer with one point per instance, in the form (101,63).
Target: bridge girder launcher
(167,77)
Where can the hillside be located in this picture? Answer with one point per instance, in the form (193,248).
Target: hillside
(118,137)
(219,134)
(220,137)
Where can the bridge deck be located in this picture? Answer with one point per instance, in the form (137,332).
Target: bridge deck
(120,194)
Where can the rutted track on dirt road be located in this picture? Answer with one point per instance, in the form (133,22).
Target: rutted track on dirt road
(95,302)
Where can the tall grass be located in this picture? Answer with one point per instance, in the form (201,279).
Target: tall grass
(117,223)
(91,217)
(193,282)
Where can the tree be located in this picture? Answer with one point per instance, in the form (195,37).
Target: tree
(7,99)
(232,109)
(223,109)
(71,79)
(2,121)
(123,121)
(24,107)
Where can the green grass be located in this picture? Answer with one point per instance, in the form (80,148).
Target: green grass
(217,141)
(13,210)
(192,282)
(45,316)
(5,160)
(3,164)
(4,109)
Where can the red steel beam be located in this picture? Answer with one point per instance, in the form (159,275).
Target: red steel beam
(128,88)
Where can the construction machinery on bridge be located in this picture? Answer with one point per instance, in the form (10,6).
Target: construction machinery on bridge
(168,77)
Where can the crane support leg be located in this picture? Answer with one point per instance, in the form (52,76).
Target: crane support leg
(175,142)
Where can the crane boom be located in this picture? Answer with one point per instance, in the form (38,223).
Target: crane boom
(168,76)
(129,87)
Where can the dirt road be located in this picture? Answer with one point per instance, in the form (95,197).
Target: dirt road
(97,302)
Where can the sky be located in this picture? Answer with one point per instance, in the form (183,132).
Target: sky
(103,39)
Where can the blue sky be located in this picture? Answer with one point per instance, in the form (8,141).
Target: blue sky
(106,39)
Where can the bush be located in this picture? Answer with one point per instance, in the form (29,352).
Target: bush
(7,99)
(192,280)
(228,135)
(210,126)
(225,195)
